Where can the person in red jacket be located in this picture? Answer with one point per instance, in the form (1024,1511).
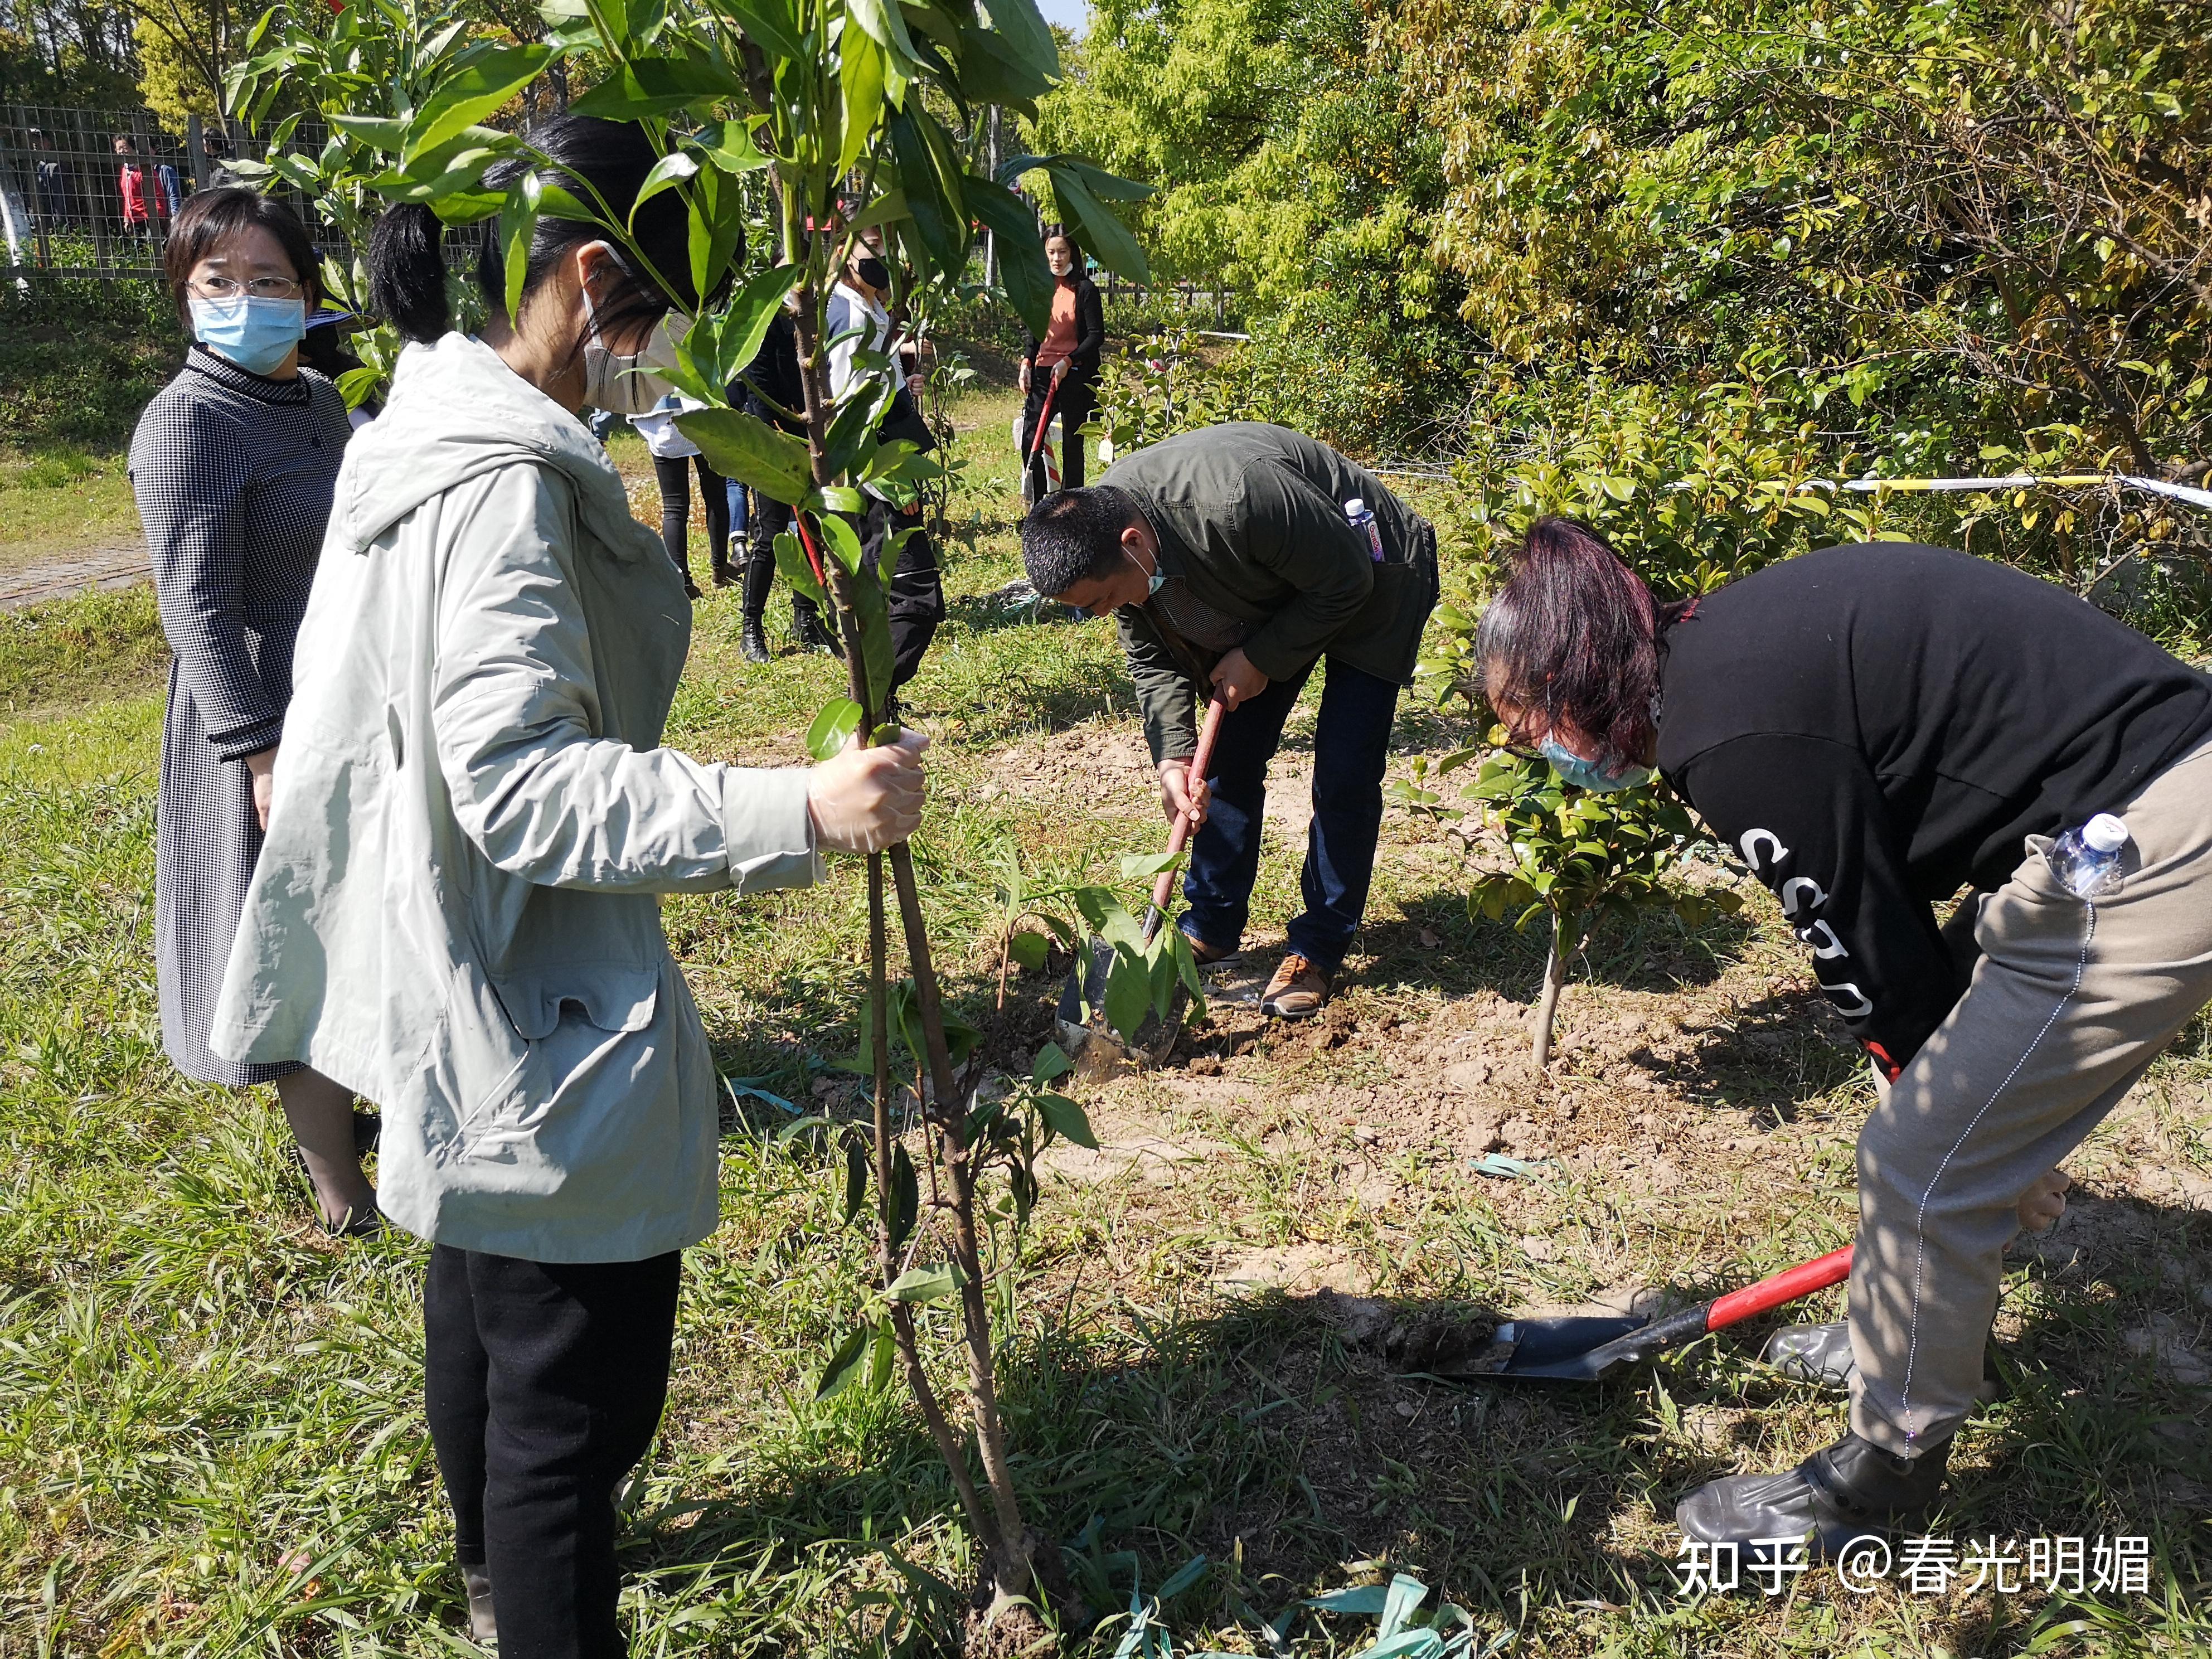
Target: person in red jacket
(130,182)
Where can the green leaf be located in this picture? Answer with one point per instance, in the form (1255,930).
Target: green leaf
(483,78)
(1026,34)
(874,620)
(1066,1119)
(906,1198)
(856,1178)
(386,133)
(769,23)
(991,71)
(1128,991)
(833,728)
(1143,866)
(844,542)
(836,498)
(930,178)
(844,1367)
(1103,908)
(791,562)
(881,21)
(886,1349)
(860,89)
(744,447)
(671,170)
(925,1284)
(1051,1061)
(1097,229)
(1029,949)
(654,86)
(729,145)
(518,223)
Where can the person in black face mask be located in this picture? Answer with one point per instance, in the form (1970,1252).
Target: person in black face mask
(1062,367)
(915,595)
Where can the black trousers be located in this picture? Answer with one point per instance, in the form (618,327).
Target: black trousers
(769,520)
(673,474)
(545,1382)
(914,596)
(1072,404)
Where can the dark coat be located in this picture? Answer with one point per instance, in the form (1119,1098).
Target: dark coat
(1251,526)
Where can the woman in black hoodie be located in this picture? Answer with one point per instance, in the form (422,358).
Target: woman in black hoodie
(1063,366)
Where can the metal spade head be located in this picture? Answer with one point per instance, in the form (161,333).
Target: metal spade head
(1567,1350)
(1082,1024)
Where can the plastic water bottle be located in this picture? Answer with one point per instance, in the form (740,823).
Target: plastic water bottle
(2087,861)
(1358,514)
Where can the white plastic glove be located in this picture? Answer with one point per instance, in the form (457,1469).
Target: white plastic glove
(866,799)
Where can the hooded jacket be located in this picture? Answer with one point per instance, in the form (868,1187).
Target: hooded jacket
(455,912)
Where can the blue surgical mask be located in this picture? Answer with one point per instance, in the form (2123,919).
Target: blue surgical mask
(257,335)
(1156,580)
(1588,773)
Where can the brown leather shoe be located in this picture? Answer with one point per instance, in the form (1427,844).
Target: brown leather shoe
(1206,955)
(1298,990)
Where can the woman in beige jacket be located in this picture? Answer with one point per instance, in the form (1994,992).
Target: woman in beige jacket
(456,911)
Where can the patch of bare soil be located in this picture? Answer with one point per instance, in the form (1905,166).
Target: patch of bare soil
(1099,767)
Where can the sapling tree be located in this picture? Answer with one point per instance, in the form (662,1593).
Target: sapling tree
(834,119)
(1574,855)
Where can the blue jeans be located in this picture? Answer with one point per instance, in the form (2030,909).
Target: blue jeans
(1352,747)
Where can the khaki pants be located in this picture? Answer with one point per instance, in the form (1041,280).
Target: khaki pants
(2069,1002)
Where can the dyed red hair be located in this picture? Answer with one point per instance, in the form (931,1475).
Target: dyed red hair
(1575,633)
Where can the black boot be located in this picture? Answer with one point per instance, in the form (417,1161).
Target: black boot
(807,629)
(760,571)
(1852,1489)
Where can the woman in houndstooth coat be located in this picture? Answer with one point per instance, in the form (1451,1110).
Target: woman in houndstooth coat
(234,462)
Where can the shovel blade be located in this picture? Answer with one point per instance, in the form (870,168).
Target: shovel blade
(1082,1022)
(1566,1350)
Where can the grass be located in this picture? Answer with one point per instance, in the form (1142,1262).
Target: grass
(211,1438)
(78,361)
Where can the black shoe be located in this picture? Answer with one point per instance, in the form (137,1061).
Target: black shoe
(808,630)
(752,644)
(367,1130)
(725,574)
(1850,1490)
(482,1626)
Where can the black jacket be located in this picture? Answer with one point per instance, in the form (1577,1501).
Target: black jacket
(775,370)
(1873,727)
(1090,331)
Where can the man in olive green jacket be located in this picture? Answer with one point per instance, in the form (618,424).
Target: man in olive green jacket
(1234,558)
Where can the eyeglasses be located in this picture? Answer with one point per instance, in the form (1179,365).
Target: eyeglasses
(261,288)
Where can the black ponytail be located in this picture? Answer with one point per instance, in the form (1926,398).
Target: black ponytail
(596,161)
(407,272)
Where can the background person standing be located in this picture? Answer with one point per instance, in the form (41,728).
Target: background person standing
(773,392)
(1063,366)
(234,463)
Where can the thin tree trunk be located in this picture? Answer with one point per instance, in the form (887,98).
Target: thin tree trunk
(1007,1545)
(1555,981)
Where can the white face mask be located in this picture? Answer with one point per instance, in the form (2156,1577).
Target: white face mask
(621,382)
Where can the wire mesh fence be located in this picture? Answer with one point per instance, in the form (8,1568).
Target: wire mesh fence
(93,193)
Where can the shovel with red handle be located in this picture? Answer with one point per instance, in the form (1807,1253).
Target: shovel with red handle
(1201,763)
(1037,437)
(1576,1350)
(1085,989)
